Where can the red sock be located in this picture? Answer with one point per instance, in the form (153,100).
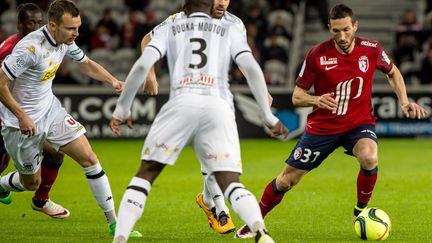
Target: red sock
(365,184)
(49,172)
(270,198)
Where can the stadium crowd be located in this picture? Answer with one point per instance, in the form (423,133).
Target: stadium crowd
(112,31)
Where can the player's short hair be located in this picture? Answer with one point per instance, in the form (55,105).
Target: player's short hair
(24,8)
(196,5)
(60,7)
(341,11)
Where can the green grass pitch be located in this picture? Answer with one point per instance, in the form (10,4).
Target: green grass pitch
(319,209)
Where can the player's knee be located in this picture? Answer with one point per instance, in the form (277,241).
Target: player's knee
(368,162)
(32,185)
(54,157)
(88,159)
(285,183)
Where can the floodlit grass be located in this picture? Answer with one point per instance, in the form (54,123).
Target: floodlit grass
(319,209)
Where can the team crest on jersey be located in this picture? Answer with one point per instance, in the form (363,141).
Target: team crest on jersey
(363,63)
(71,122)
(298,153)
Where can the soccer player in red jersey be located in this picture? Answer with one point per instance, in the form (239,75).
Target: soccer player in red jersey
(30,19)
(341,71)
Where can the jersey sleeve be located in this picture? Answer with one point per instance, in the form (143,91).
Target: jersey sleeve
(22,57)
(384,62)
(238,41)
(159,41)
(75,53)
(307,73)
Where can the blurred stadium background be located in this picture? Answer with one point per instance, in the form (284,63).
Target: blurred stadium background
(280,33)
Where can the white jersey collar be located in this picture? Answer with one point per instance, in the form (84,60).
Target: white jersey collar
(199,15)
(48,36)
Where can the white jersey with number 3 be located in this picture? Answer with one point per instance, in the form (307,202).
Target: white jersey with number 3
(198,57)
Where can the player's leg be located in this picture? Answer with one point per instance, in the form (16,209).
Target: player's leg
(80,150)
(51,162)
(309,152)
(25,152)
(212,202)
(243,203)
(5,196)
(4,156)
(362,143)
(169,133)
(134,199)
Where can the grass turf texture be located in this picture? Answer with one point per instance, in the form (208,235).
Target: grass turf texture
(319,209)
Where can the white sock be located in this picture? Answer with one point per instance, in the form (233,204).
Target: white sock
(101,190)
(131,206)
(245,205)
(215,193)
(12,182)
(207,196)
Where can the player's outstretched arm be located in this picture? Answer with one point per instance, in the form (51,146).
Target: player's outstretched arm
(133,82)
(301,98)
(410,109)
(26,124)
(96,71)
(151,86)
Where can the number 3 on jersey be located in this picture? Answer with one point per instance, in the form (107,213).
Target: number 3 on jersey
(200,52)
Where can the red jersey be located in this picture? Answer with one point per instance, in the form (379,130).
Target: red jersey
(349,77)
(7,46)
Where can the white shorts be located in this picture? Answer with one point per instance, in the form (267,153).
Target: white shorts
(59,128)
(205,122)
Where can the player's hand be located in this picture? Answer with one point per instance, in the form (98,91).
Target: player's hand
(116,123)
(327,102)
(279,131)
(118,86)
(412,110)
(27,126)
(151,87)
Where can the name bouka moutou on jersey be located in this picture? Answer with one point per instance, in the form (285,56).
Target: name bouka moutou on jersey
(202,26)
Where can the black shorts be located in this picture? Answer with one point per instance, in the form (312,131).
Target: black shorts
(311,149)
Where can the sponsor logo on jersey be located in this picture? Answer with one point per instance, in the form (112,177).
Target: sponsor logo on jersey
(385,57)
(19,62)
(330,61)
(173,17)
(31,49)
(368,43)
(298,153)
(166,148)
(71,122)
(198,81)
(50,73)
(363,63)
(147,151)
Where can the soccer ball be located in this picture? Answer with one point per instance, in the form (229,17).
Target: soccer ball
(372,224)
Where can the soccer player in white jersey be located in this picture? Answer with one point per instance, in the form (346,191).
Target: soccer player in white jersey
(211,200)
(200,111)
(31,113)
